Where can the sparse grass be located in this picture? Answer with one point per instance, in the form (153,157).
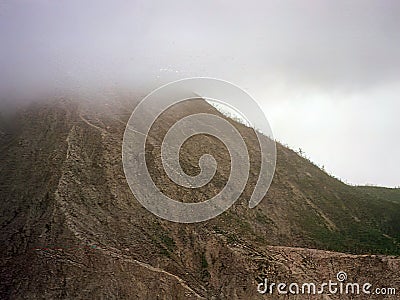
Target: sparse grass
(204,267)
(168,242)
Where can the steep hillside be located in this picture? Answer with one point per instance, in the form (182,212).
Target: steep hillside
(67,210)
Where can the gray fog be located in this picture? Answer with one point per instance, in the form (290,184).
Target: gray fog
(326,73)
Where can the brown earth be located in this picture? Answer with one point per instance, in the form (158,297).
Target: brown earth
(71,228)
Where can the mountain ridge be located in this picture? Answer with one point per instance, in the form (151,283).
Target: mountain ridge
(63,187)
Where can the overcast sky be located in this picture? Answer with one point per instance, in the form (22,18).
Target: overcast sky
(326,73)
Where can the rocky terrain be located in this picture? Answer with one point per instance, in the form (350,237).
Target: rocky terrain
(72,229)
